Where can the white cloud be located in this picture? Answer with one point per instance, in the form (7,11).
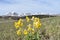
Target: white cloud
(30,6)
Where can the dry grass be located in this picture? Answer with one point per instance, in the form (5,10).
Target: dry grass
(50,29)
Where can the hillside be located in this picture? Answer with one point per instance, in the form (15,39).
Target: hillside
(50,29)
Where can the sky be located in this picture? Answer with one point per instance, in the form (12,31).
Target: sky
(29,6)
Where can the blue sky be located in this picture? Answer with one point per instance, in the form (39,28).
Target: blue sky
(32,6)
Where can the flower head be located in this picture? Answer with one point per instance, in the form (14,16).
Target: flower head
(32,18)
(19,32)
(29,28)
(25,32)
(36,19)
(16,25)
(27,18)
(19,23)
(37,23)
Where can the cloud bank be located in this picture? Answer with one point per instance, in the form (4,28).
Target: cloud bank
(22,6)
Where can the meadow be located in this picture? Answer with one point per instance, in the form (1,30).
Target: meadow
(50,29)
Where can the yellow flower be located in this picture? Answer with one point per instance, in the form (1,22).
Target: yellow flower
(20,20)
(36,19)
(32,18)
(25,32)
(29,27)
(21,24)
(18,32)
(27,18)
(37,24)
(16,25)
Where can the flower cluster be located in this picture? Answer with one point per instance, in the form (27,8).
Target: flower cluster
(30,28)
(19,23)
(37,23)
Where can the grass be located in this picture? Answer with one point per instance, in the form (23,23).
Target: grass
(50,29)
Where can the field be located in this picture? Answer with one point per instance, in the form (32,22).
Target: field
(50,29)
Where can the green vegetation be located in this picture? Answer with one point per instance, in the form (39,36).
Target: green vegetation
(50,29)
